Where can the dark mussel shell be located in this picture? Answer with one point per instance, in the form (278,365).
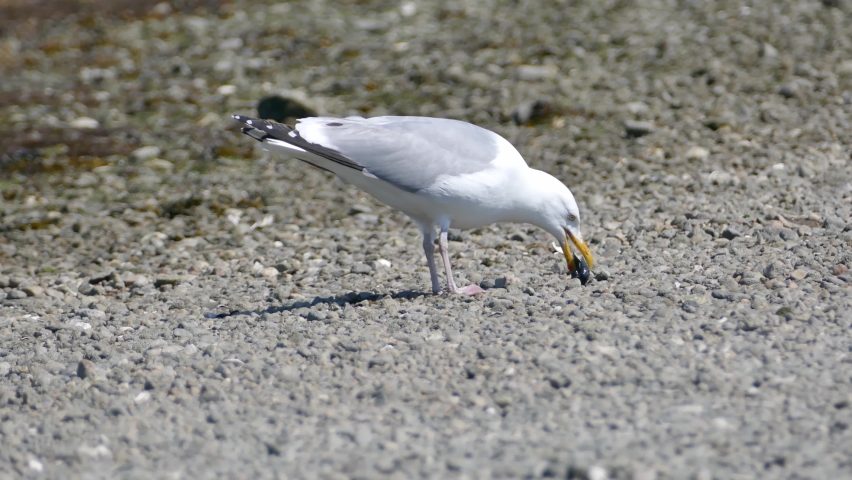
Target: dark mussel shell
(582,271)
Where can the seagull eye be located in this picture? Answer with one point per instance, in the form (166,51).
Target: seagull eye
(572,218)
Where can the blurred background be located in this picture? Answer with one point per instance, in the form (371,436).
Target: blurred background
(129,101)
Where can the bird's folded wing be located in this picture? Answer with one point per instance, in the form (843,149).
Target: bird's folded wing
(411,153)
(280,134)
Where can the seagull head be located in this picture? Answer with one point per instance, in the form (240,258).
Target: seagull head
(558,213)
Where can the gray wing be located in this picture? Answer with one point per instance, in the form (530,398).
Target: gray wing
(408,152)
(283,135)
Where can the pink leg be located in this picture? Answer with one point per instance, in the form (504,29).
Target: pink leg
(451,283)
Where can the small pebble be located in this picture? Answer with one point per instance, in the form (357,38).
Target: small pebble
(533,112)
(35,465)
(33,290)
(145,153)
(637,128)
(637,108)
(697,153)
(788,234)
(730,232)
(161,10)
(773,270)
(788,90)
(84,123)
(54,293)
(171,280)
(87,369)
(597,473)
(798,274)
(142,397)
(137,281)
(536,73)
(16,294)
(381,263)
(361,268)
(226,90)
(269,272)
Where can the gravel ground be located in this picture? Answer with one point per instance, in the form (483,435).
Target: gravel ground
(176,304)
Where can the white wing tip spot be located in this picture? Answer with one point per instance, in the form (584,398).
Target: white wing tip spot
(269,127)
(248,122)
(292,134)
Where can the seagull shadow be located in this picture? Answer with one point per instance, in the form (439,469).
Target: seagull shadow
(350,298)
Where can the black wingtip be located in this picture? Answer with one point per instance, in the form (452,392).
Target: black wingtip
(255,133)
(246,120)
(263,130)
(252,127)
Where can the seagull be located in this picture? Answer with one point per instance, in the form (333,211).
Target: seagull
(440,172)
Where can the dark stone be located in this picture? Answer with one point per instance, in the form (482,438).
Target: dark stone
(100,277)
(280,109)
(361,268)
(559,380)
(788,90)
(535,112)
(730,233)
(638,129)
(602,275)
(86,369)
(209,394)
(788,234)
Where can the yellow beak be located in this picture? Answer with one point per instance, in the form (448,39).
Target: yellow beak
(581,246)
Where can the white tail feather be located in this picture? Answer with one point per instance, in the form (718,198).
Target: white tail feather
(271,142)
